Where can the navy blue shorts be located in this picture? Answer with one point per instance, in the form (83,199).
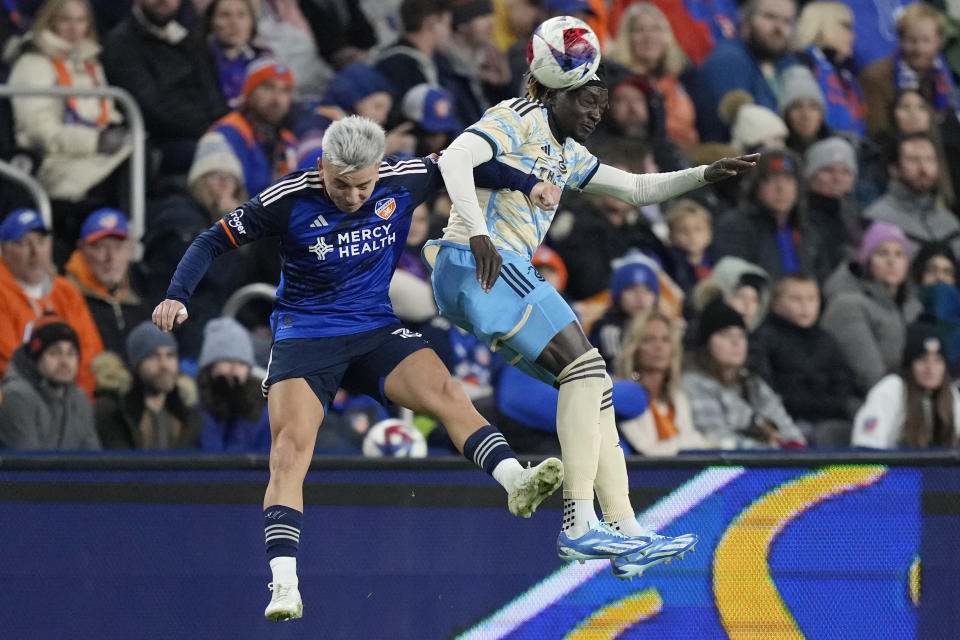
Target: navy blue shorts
(359,363)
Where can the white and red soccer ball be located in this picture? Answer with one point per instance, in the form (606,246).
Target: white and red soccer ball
(392,438)
(563,53)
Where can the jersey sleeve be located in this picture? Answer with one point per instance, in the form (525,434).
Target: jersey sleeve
(420,176)
(584,164)
(503,128)
(243,225)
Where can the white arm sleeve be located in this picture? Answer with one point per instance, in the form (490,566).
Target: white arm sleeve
(644,188)
(456,165)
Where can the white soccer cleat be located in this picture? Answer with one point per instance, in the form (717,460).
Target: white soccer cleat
(285,603)
(533,486)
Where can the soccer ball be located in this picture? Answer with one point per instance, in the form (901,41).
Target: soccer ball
(563,53)
(394,439)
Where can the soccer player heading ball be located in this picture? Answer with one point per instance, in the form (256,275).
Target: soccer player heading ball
(484,282)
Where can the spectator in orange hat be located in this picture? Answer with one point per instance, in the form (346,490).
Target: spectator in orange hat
(252,142)
(30,288)
(550,265)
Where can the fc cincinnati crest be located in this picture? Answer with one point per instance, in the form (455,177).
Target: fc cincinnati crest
(385,208)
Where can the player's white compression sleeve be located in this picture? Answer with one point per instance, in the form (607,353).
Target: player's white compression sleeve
(644,188)
(456,166)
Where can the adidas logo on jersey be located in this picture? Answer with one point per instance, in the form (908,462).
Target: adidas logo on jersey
(319,222)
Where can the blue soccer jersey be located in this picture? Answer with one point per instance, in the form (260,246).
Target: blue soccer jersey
(336,266)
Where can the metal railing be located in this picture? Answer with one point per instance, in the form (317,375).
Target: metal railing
(134,118)
(34,188)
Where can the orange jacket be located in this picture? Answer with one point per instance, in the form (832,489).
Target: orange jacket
(64,300)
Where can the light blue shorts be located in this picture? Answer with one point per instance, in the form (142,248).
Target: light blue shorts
(519,316)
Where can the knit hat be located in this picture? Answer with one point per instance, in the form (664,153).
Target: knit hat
(922,338)
(143,340)
(225,339)
(827,153)
(104,222)
(568,7)
(716,317)
(262,69)
(213,154)
(640,269)
(467,10)
(878,233)
(354,83)
(547,257)
(798,82)
(431,107)
(754,125)
(19,222)
(47,332)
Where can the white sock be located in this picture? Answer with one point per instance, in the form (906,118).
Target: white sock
(284,570)
(631,527)
(507,472)
(578,515)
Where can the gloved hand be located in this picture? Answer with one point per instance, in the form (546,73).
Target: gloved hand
(113,138)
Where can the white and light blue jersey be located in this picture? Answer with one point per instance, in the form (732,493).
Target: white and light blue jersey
(518,132)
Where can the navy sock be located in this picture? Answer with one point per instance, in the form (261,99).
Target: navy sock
(487,447)
(281,527)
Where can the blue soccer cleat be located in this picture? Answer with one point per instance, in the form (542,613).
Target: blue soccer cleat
(658,549)
(601,542)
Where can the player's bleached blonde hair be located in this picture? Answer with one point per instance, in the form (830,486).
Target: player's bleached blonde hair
(674,59)
(818,22)
(354,143)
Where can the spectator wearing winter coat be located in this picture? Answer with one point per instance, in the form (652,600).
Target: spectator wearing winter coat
(730,404)
(235,411)
(824,42)
(82,140)
(759,54)
(830,170)
(912,200)
(691,240)
(651,356)
(100,267)
(252,141)
(803,363)
(150,406)
(42,407)
(869,305)
(168,70)
(30,288)
(769,226)
(230,29)
(916,407)
(634,291)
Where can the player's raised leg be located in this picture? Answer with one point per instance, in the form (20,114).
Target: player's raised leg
(295,417)
(613,492)
(581,374)
(422,383)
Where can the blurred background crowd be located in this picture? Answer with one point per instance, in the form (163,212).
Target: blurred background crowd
(812,303)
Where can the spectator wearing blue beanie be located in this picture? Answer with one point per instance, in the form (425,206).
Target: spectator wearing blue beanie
(634,290)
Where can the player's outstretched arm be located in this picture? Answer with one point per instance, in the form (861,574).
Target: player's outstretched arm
(651,188)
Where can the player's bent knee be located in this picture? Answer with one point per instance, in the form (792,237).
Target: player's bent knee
(290,450)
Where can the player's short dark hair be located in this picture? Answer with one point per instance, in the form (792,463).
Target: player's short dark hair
(787,278)
(413,13)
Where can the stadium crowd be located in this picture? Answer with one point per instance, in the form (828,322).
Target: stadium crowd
(812,303)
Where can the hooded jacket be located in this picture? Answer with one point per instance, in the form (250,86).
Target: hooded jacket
(868,323)
(34,416)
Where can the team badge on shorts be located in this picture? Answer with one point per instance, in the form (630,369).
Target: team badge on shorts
(385,208)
